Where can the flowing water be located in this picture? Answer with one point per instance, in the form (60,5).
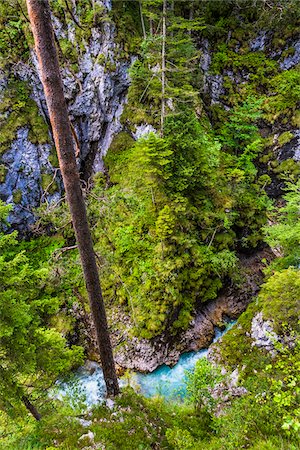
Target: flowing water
(169,382)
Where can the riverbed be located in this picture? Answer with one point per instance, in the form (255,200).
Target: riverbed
(168,382)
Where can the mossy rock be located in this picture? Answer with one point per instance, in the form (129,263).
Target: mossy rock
(279,297)
(49,185)
(122,141)
(296,119)
(269,141)
(19,110)
(285,137)
(53,158)
(289,166)
(3,172)
(17,196)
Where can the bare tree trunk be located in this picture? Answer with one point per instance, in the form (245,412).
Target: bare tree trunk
(40,18)
(142,20)
(163,68)
(31,408)
(151,26)
(191,16)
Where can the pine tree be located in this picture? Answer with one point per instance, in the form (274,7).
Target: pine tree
(40,18)
(33,355)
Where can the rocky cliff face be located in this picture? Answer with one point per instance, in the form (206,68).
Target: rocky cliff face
(215,88)
(95,92)
(96,82)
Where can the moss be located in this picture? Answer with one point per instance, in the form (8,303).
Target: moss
(277,42)
(101,58)
(289,166)
(69,51)
(18,110)
(121,142)
(110,66)
(285,91)
(279,297)
(296,119)
(17,196)
(285,137)
(288,52)
(267,157)
(62,323)
(53,158)
(49,185)
(269,141)
(3,172)
(235,346)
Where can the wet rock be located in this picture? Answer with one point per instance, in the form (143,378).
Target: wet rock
(90,366)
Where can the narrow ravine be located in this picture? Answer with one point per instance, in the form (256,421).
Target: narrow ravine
(168,382)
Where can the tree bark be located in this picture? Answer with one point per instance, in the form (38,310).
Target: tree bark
(31,408)
(163,68)
(40,18)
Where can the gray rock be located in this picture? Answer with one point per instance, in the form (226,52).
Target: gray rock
(258,43)
(143,130)
(85,423)
(25,163)
(89,436)
(214,85)
(262,333)
(96,94)
(291,60)
(296,148)
(110,403)
(205,59)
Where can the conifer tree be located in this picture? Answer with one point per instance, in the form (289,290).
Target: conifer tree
(40,18)
(33,355)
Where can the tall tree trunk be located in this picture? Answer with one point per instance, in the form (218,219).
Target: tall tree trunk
(163,68)
(142,20)
(31,408)
(40,18)
(191,16)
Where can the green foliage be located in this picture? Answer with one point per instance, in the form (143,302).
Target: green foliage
(242,144)
(284,102)
(33,354)
(284,233)
(181,61)
(157,232)
(200,383)
(13,43)
(285,137)
(280,299)
(284,378)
